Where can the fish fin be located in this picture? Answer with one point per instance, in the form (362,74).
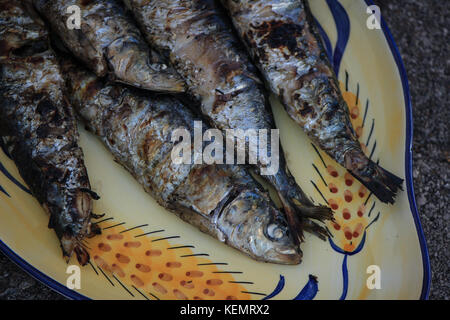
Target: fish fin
(294,221)
(295,227)
(94,230)
(315,229)
(298,217)
(381,182)
(82,254)
(298,207)
(321,213)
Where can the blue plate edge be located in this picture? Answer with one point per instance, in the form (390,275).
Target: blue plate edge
(408,157)
(40,276)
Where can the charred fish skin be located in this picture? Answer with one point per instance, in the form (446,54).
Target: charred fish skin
(283,41)
(31,35)
(222,201)
(219,75)
(39,129)
(108,42)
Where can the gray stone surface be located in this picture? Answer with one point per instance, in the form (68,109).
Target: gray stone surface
(420,29)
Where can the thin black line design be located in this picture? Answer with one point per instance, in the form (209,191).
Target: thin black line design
(213,264)
(116,225)
(320,156)
(143,225)
(181,247)
(106,219)
(368,197)
(140,293)
(101,270)
(195,255)
(241,282)
(321,177)
(256,293)
(154,296)
(365,113)
(321,194)
(123,286)
(373,150)
(370,211)
(95,270)
(370,133)
(357,94)
(166,238)
(147,233)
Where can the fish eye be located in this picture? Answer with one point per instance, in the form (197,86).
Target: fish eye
(275,232)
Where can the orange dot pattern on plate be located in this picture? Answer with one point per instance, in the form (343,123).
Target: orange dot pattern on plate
(348,179)
(346,214)
(361,210)
(143,267)
(332,171)
(348,196)
(155,270)
(104,247)
(345,194)
(114,237)
(333,204)
(117,270)
(132,244)
(333,188)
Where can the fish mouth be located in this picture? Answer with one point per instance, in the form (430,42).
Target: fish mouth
(72,236)
(287,256)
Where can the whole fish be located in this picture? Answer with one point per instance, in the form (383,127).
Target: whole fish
(38,128)
(221,200)
(108,42)
(201,46)
(282,38)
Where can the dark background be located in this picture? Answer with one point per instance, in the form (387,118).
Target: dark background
(420,31)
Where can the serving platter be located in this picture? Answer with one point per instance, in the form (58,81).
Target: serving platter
(146,252)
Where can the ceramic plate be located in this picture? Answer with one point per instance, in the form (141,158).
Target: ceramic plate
(145,252)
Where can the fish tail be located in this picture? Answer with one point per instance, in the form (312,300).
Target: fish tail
(315,229)
(295,225)
(81,254)
(381,182)
(320,213)
(299,218)
(298,207)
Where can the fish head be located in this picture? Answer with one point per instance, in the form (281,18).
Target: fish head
(70,216)
(252,223)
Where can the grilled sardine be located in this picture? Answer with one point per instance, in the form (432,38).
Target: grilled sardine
(108,42)
(38,128)
(282,38)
